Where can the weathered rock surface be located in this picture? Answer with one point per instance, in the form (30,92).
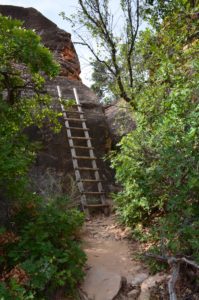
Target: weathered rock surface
(148,284)
(57,145)
(139,279)
(119,116)
(54,38)
(55,154)
(101,284)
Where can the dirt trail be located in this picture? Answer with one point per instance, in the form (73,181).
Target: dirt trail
(112,268)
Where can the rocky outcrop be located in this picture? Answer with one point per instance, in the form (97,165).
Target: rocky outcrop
(54,38)
(55,154)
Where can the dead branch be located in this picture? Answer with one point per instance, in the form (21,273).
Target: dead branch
(174,259)
(175,263)
(174,277)
(189,262)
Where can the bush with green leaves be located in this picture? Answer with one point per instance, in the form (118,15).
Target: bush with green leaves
(15,291)
(45,247)
(158,163)
(38,248)
(24,62)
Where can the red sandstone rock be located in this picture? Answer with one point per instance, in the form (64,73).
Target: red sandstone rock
(56,39)
(55,154)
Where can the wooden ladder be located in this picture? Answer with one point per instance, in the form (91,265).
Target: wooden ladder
(75,143)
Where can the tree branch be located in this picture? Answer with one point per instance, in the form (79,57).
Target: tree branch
(94,54)
(80,43)
(133,36)
(174,259)
(175,266)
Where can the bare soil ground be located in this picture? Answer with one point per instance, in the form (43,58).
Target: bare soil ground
(114,271)
(112,264)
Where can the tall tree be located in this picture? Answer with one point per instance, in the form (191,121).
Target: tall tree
(111,41)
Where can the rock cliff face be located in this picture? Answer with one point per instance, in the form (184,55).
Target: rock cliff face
(55,154)
(54,38)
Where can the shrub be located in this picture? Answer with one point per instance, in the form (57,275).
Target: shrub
(14,291)
(38,246)
(158,162)
(44,249)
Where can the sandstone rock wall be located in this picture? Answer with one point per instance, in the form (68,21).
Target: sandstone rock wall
(55,153)
(54,38)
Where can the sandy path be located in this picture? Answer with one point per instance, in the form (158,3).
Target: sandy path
(111,260)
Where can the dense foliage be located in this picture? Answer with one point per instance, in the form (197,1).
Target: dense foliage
(158,162)
(21,101)
(42,254)
(37,239)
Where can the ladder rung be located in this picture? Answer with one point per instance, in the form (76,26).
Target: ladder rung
(94,193)
(73,111)
(84,157)
(75,119)
(79,138)
(90,180)
(96,205)
(86,169)
(82,147)
(78,128)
